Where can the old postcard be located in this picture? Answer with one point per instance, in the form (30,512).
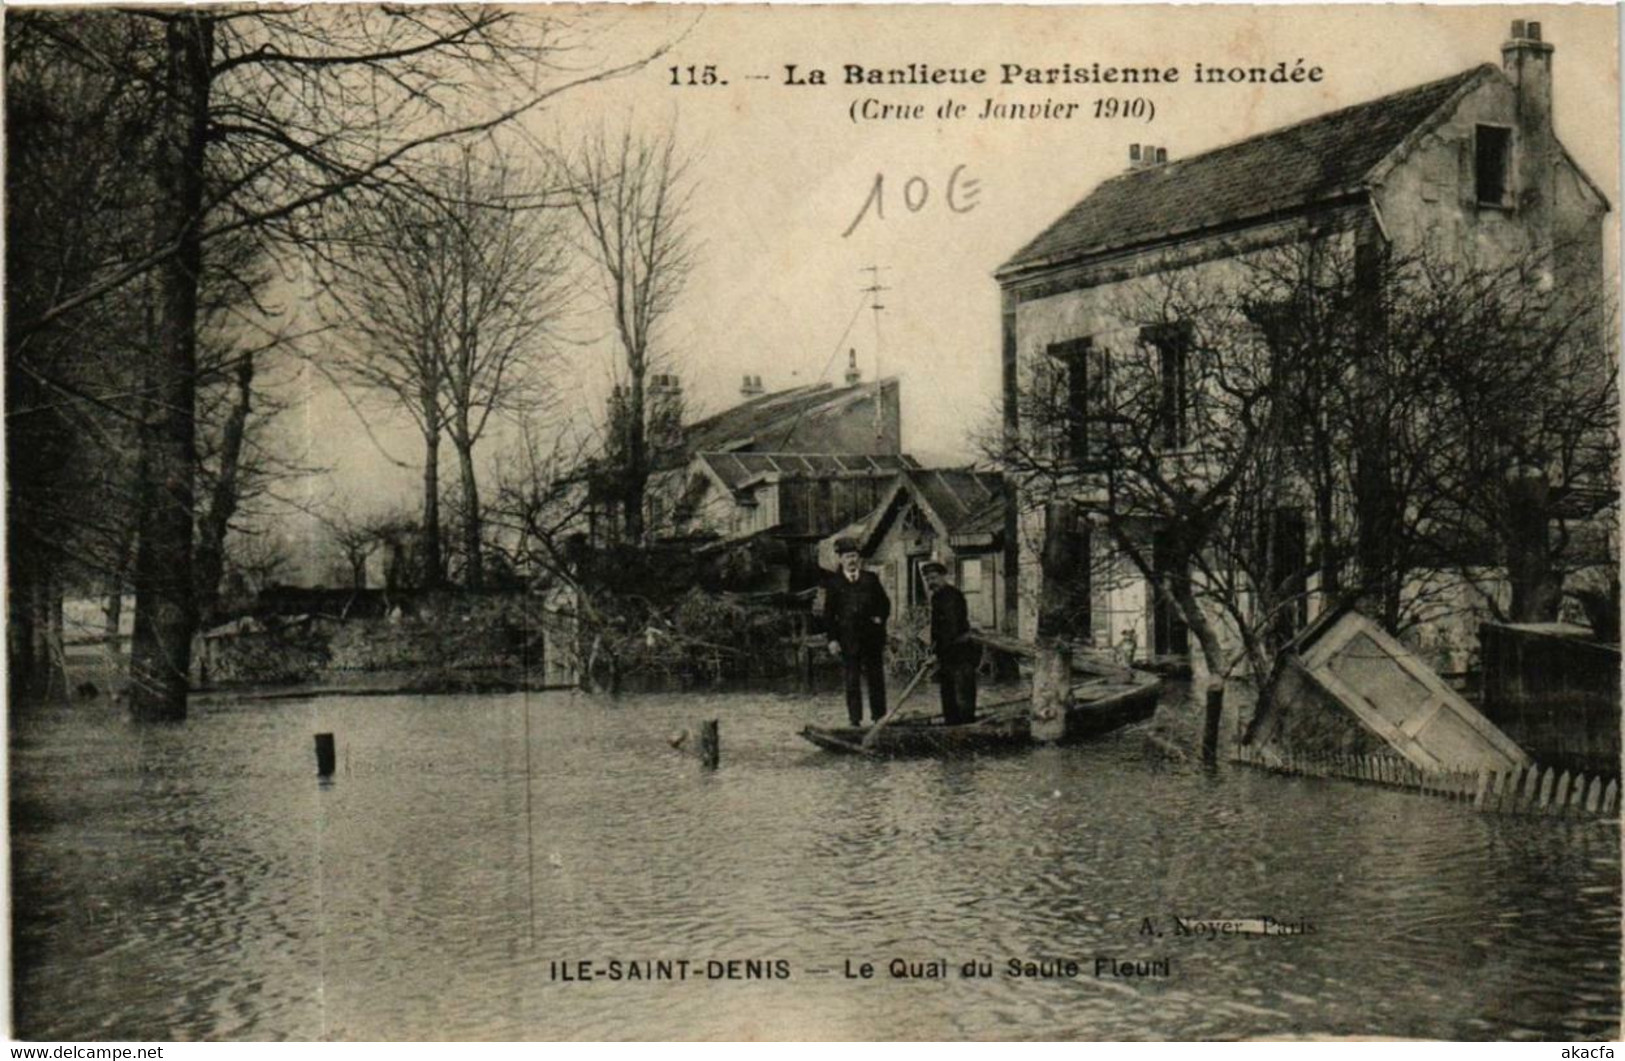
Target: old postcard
(856,523)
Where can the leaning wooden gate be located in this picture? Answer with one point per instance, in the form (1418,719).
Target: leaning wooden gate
(1401,700)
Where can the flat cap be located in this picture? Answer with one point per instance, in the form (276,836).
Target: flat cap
(845,545)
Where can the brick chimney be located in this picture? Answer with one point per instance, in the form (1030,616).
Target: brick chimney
(1144,156)
(665,411)
(1527,62)
(852,373)
(751,388)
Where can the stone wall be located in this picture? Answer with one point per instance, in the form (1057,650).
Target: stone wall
(271,657)
(482,634)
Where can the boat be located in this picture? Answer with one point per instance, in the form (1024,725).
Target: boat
(1097,707)
(927,736)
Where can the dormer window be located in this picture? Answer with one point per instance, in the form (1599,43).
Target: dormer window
(1492,170)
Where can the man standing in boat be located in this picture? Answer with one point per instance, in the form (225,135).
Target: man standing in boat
(855,612)
(957,655)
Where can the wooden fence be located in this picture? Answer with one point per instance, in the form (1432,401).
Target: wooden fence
(1530,790)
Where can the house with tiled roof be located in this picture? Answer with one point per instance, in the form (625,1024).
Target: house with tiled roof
(954,516)
(797,495)
(776,472)
(1468,164)
(856,417)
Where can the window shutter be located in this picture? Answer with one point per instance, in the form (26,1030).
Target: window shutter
(1099,401)
(1466,176)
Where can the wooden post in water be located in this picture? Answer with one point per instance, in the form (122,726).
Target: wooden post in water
(804,652)
(1052,690)
(1210,726)
(710,744)
(326,755)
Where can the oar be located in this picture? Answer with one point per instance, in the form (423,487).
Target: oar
(897,708)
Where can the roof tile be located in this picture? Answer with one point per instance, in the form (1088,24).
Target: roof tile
(1298,165)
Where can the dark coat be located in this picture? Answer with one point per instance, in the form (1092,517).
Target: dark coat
(950,622)
(855,613)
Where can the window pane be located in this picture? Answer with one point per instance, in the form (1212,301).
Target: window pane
(1494,159)
(1083,392)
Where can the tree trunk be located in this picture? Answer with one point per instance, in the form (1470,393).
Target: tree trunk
(1376,502)
(23,666)
(112,619)
(474,561)
(637,454)
(114,585)
(1326,559)
(1052,689)
(1537,586)
(36,632)
(1197,621)
(1057,603)
(1377,545)
(35,650)
(48,628)
(165,604)
(430,533)
(211,547)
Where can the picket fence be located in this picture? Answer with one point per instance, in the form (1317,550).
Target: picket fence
(1528,790)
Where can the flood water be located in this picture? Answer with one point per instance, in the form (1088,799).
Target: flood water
(196,882)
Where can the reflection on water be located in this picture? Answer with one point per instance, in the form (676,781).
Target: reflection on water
(196,882)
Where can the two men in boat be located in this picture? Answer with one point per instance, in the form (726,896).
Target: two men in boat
(956,653)
(856,609)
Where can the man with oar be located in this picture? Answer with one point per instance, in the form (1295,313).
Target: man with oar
(954,655)
(957,656)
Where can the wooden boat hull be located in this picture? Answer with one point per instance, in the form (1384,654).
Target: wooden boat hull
(1098,708)
(927,736)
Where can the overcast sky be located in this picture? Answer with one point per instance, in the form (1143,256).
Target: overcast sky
(782,172)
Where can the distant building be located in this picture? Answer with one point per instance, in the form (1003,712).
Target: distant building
(785,501)
(766,478)
(817,418)
(955,516)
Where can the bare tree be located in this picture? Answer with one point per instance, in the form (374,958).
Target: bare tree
(1149,441)
(540,514)
(257,559)
(259,121)
(451,308)
(506,275)
(358,537)
(1395,409)
(631,195)
(72,415)
(391,321)
(1519,388)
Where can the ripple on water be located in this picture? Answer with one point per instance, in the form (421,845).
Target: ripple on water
(194,882)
